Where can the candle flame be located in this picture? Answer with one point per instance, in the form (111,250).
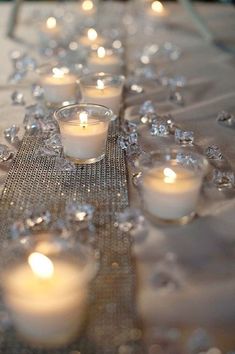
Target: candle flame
(100,84)
(87,5)
(157,6)
(101,52)
(169,175)
(92,34)
(83,117)
(51,22)
(41,265)
(58,73)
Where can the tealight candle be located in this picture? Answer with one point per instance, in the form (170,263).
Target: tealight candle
(46,300)
(103,89)
(84,130)
(91,38)
(102,60)
(59,86)
(170,190)
(45,288)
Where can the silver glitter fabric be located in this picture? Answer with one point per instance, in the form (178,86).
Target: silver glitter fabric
(33,182)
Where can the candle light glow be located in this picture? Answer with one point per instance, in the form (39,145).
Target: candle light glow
(157,6)
(87,5)
(83,118)
(101,52)
(41,265)
(92,34)
(51,22)
(169,175)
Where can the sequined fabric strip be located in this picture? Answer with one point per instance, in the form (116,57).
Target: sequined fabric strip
(33,182)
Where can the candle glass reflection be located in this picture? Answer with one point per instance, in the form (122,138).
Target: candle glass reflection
(103,89)
(59,84)
(45,283)
(84,131)
(171,184)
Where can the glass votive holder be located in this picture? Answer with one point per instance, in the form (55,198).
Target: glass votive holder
(90,37)
(60,85)
(49,30)
(106,60)
(103,89)
(45,282)
(84,131)
(170,184)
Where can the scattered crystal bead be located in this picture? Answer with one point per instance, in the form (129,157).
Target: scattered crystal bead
(223,179)
(184,137)
(37,91)
(17,98)
(176,97)
(10,134)
(213,152)
(147,107)
(64,165)
(5,153)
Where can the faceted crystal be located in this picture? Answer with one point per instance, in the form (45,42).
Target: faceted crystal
(226,118)
(79,212)
(147,107)
(223,179)
(10,134)
(132,221)
(176,97)
(213,152)
(37,91)
(38,111)
(5,153)
(16,76)
(159,128)
(17,98)
(64,165)
(184,137)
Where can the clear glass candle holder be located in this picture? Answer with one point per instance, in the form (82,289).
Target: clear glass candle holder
(84,131)
(171,183)
(45,282)
(103,59)
(103,89)
(59,83)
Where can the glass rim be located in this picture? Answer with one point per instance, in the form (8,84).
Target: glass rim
(92,105)
(155,159)
(101,75)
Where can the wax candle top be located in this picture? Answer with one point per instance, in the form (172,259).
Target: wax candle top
(171,178)
(59,76)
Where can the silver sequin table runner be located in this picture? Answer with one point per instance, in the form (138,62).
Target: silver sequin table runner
(33,182)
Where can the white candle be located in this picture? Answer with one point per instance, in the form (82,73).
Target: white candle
(59,86)
(91,38)
(46,299)
(171,192)
(102,61)
(107,96)
(84,139)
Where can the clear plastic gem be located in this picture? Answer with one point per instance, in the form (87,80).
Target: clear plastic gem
(136,88)
(5,153)
(64,165)
(223,179)
(16,77)
(132,221)
(17,98)
(159,127)
(38,111)
(79,212)
(213,152)
(176,97)
(226,117)
(184,137)
(37,91)
(10,134)
(32,125)
(146,107)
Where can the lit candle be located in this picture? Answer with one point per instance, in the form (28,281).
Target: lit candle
(171,192)
(156,9)
(59,86)
(46,299)
(103,89)
(103,60)
(50,28)
(84,135)
(88,8)
(91,38)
